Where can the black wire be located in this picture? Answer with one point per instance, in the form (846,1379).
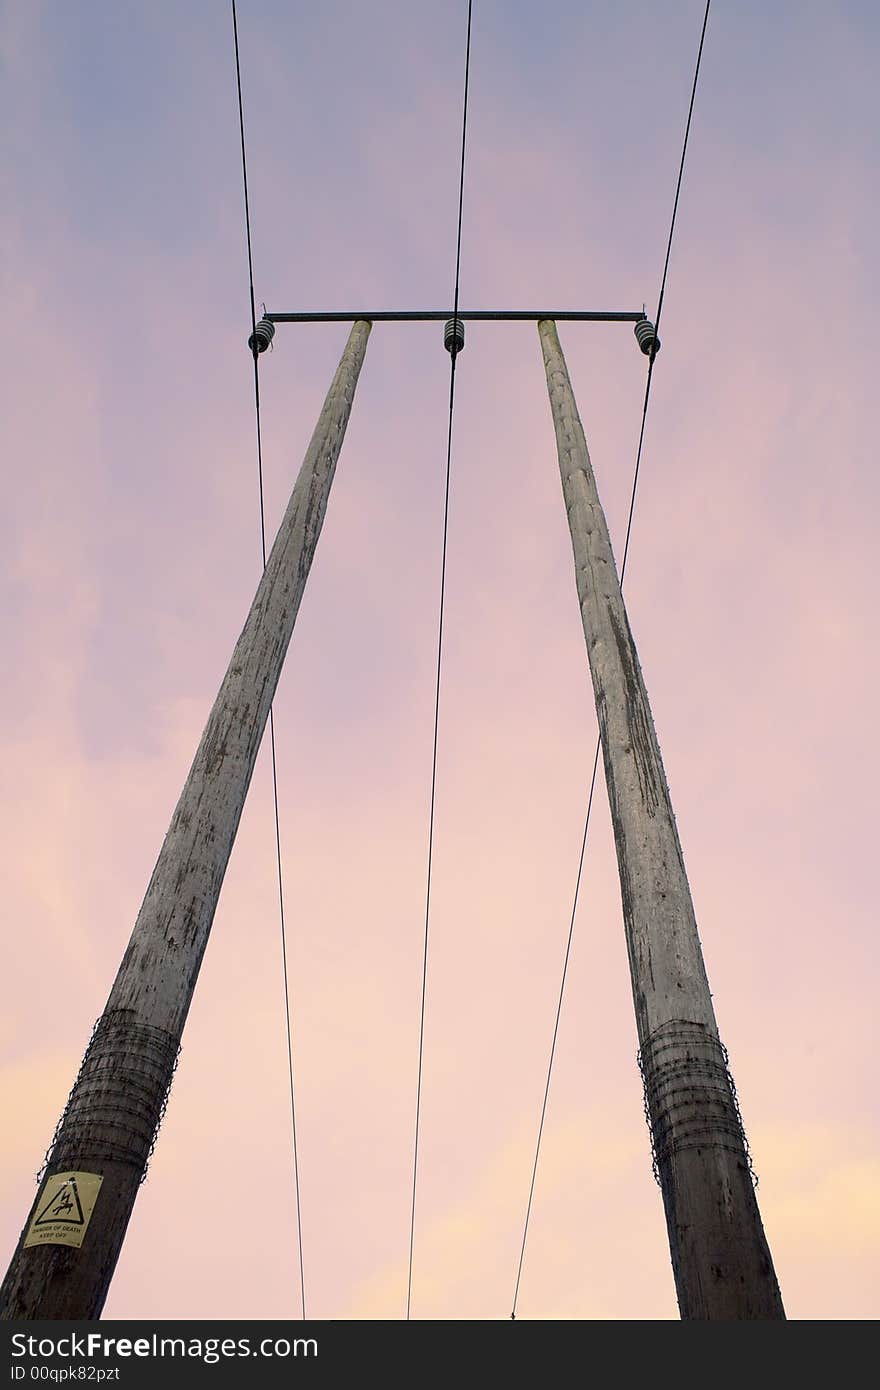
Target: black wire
(453,355)
(632,503)
(247,219)
(687,131)
(556,1029)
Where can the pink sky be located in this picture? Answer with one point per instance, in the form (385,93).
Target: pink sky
(130,552)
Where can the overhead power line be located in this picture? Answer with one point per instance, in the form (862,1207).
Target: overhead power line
(453,355)
(287,1011)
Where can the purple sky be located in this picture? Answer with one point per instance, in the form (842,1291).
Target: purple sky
(130,551)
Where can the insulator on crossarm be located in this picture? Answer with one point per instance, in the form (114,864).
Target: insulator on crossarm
(262,335)
(646,337)
(453,335)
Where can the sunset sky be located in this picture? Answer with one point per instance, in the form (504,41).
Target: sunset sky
(129,552)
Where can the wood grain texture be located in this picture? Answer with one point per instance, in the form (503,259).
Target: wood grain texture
(116,1104)
(720,1257)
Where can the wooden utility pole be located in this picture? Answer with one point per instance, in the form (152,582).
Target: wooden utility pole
(73,1235)
(720,1258)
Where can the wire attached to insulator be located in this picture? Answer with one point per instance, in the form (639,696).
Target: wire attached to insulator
(262,334)
(453,338)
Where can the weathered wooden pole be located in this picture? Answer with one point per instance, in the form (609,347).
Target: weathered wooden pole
(720,1257)
(73,1235)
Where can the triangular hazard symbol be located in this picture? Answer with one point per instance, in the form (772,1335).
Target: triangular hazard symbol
(63,1206)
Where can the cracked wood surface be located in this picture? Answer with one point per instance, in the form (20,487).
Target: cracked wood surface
(720,1257)
(117,1100)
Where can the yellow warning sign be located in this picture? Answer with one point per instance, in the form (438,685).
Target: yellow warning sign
(64,1209)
